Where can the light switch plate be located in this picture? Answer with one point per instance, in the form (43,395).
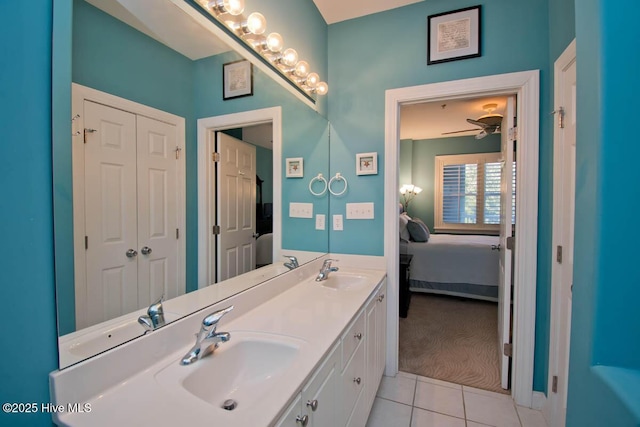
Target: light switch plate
(300,210)
(337,222)
(360,210)
(320,219)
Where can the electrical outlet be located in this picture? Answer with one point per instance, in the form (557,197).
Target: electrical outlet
(320,221)
(337,222)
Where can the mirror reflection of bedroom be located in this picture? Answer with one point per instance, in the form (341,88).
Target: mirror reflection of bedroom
(457,204)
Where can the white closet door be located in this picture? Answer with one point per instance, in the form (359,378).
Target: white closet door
(157,211)
(236,206)
(110,207)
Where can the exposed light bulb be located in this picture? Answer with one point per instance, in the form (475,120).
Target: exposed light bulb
(233,7)
(274,42)
(322,89)
(256,23)
(289,57)
(312,80)
(302,69)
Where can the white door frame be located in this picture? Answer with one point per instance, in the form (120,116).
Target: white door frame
(526,86)
(207,128)
(566,59)
(79,94)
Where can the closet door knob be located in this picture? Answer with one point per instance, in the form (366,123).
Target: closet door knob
(357,380)
(131,253)
(358,335)
(302,420)
(146,250)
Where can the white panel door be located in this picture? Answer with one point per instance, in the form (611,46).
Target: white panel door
(506,192)
(110,207)
(563,235)
(157,211)
(236,206)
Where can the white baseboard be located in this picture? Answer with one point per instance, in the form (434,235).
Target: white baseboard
(540,403)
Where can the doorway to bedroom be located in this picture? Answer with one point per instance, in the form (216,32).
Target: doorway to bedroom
(452,164)
(524,85)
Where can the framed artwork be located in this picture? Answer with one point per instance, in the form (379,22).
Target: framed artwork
(295,167)
(237,79)
(453,35)
(367,164)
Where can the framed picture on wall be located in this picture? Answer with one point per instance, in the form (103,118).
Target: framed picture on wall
(453,35)
(367,164)
(295,167)
(237,79)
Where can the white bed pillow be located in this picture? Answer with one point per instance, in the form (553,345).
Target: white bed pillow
(404,233)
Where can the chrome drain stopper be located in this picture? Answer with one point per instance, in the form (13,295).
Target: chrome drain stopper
(229,404)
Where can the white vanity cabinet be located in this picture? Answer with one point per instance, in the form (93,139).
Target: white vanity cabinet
(316,404)
(342,390)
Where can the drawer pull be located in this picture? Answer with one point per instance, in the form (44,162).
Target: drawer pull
(358,335)
(357,380)
(302,420)
(313,404)
(381,297)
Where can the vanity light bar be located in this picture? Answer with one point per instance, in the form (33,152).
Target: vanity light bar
(251,31)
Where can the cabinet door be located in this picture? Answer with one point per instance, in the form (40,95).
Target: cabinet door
(381,319)
(293,416)
(371,342)
(321,397)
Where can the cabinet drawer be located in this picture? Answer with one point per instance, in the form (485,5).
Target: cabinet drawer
(351,339)
(353,382)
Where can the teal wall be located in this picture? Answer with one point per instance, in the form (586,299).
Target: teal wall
(421,155)
(398,36)
(604,373)
(28,339)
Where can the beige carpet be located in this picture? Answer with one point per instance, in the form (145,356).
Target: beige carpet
(451,339)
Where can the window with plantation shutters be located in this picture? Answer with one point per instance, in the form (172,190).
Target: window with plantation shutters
(467,192)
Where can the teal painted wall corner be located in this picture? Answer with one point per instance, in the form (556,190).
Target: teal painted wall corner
(28,335)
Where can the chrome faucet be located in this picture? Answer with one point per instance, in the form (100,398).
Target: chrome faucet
(325,270)
(154,317)
(293,262)
(207,337)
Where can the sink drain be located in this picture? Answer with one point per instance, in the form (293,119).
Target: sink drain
(229,404)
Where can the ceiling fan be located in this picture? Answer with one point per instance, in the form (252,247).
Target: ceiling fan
(489,123)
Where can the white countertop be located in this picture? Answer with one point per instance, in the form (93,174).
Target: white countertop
(307,311)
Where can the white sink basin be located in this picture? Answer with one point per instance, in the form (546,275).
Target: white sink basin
(246,369)
(344,281)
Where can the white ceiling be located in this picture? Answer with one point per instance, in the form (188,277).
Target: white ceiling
(340,10)
(430,120)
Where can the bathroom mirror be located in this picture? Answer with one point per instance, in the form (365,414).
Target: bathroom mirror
(123,74)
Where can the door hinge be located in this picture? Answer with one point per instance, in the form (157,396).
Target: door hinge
(554,384)
(177,233)
(513,133)
(559,254)
(508,349)
(216,230)
(511,242)
(86,131)
(215,157)
(178,150)
(86,242)
(561,113)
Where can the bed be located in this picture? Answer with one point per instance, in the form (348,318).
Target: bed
(451,264)
(459,265)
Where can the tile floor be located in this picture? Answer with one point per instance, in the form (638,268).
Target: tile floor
(409,400)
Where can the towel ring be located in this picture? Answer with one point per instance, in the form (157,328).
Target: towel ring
(321,179)
(338,177)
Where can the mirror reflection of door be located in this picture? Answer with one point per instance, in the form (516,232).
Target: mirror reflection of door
(236,177)
(131,191)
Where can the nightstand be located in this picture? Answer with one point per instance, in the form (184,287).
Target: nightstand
(405,293)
